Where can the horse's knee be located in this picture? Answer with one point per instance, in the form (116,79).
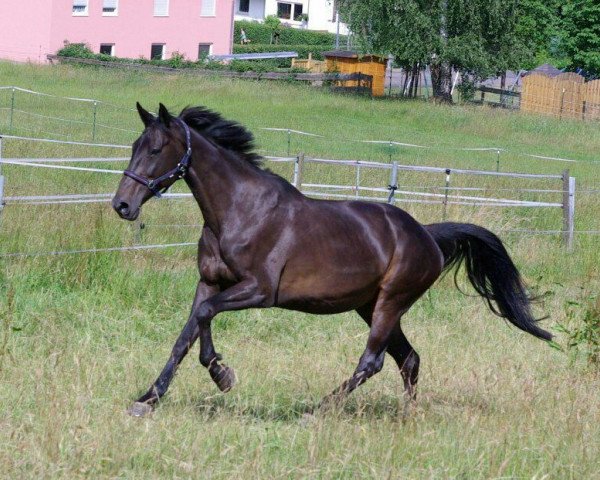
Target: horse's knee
(204,313)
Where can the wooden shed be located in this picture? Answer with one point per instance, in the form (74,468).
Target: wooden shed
(352,62)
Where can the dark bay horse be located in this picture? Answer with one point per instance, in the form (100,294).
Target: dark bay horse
(264,244)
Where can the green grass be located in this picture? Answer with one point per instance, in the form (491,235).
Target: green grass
(85,334)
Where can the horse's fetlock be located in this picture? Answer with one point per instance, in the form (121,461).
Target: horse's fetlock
(206,360)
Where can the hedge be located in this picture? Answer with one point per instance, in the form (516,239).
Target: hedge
(80,50)
(259,33)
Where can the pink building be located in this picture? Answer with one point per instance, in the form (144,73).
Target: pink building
(32,29)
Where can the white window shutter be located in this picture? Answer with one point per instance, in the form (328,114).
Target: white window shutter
(208,8)
(161,8)
(80,3)
(110,4)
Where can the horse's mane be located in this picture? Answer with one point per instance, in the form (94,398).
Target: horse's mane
(225,133)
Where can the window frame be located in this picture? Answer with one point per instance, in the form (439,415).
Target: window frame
(294,7)
(214,9)
(239,9)
(163,52)
(113,13)
(291,5)
(84,13)
(166,14)
(112,48)
(210,47)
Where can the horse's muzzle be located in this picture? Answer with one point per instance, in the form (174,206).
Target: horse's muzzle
(124,210)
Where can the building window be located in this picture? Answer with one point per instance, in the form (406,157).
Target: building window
(208,8)
(161,8)
(158,51)
(109,7)
(284,10)
(204,50)
(244,6)
(80,7)
(289,11)
(107,49)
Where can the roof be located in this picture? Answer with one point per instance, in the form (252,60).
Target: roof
(546,69)
(350,54)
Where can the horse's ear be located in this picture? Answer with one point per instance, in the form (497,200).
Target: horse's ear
(164,115)
(145,115)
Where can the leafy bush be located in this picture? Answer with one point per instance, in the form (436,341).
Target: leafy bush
(77,50)
(179,61)
(259,66)
(583,329)
(259,33)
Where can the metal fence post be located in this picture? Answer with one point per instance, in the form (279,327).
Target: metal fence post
(498,160)
(568,210)
(12,109)
(289,141)
(571,212)
(393,186)
(298,166)
(445,202)
(94,124)
(357,179)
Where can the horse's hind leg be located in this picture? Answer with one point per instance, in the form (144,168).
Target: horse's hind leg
(407,360)
(401,351)
(386,315)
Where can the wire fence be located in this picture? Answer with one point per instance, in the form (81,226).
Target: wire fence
(366,185)
(307,173)
(23,106)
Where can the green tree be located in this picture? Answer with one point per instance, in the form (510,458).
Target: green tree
(477,37)
(581,34)
(539,25)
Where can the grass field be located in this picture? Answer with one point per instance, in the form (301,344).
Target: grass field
(83,335)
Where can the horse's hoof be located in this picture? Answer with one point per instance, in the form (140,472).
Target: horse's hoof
(140,409)
(225,378)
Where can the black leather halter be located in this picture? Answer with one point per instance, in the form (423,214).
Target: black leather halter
(178,172)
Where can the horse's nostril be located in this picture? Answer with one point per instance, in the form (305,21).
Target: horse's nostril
(123,207)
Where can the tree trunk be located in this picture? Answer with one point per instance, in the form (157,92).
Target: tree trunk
(441,82)
(415,80)
(441,71)
(405,85)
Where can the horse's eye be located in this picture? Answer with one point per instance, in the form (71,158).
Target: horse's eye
(155,151)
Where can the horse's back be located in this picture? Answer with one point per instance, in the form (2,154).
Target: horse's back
(342,254)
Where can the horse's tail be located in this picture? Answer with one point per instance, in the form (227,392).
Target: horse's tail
(489,269)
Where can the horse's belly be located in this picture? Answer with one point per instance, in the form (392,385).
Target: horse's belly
(327,293)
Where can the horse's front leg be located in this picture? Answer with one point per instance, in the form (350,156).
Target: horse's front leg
(186,339)
(246,294)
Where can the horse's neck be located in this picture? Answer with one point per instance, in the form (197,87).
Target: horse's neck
(216,179)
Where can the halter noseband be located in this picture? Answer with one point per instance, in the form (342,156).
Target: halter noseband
(178,172)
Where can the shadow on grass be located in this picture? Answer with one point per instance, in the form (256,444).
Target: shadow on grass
(216,406)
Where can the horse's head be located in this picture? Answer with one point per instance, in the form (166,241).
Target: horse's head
(156,161)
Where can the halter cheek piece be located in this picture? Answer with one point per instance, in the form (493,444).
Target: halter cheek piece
(178,172)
